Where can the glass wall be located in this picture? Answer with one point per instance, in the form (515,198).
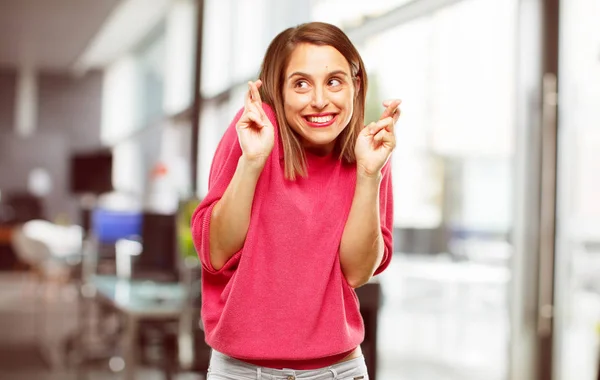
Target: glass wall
(446,312)
(236,36)
(454,65)
(577,282)
(145,92)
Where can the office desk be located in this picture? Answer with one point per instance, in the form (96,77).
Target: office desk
(139,300)
(146,300)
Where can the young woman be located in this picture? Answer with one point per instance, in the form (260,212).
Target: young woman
(298,214)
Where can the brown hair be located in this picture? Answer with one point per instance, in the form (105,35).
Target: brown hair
(272,75)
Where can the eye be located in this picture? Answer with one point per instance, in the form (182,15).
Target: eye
(335,82)
(302,84)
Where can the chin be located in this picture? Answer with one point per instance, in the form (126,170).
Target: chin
(318,144)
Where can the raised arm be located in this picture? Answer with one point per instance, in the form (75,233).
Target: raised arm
(367,238)
(229,216)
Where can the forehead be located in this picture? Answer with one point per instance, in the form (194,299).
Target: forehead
(312,59)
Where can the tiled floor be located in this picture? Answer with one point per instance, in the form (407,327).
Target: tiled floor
(20,333)
(420,340)
(436,326)
(436,323)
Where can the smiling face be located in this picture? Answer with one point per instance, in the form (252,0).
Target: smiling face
(318,95)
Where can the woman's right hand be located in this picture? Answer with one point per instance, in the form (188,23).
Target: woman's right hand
(255,131)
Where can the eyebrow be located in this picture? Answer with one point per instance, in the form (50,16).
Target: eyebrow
(335,72)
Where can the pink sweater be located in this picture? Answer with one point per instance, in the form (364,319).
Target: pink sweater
(282,300)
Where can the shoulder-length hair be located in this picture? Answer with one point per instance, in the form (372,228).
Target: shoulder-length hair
(272,75)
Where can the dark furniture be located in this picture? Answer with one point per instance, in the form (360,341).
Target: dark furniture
(201,351)
(8,259)
(369,296)
(158,260)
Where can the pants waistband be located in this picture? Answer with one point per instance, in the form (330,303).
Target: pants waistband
(220,362)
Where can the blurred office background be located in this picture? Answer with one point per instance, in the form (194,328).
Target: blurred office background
(110,112)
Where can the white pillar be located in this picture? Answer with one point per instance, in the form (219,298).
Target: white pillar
(26,105)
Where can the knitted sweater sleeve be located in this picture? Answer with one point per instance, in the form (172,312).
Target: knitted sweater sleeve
(222,169)
(386,214)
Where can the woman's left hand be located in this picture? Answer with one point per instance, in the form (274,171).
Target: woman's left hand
(376,141)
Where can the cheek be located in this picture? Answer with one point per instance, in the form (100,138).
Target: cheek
(345,102)
(345,98)
(296,102)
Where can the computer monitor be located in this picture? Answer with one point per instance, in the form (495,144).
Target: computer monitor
(91,172)
(158,259)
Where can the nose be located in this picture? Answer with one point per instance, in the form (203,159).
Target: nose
(319,99)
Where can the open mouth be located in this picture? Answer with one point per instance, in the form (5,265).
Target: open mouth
(320,121)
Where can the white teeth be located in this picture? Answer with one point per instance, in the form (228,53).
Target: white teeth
(320,119)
